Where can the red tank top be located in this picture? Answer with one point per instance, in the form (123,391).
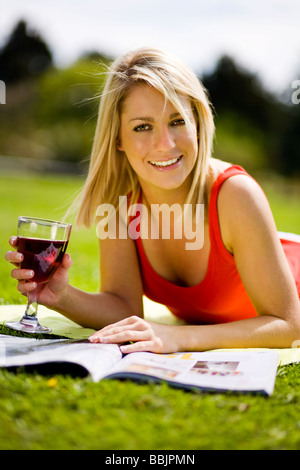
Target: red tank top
(221,296)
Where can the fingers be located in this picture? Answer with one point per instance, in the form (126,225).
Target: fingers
(123,335)
(119,330)
(13,241)
(66,261)
(14,257)
(25,287)
(24,276)
(130,329)
(133,322)
(139,346)
(136,333)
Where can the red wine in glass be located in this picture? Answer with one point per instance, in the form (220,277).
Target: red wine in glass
(43,244)
(42,256)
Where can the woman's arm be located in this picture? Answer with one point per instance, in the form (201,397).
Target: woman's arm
(121,289)
(249,233)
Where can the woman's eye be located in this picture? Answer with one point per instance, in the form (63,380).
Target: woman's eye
(142,127)
(178,122)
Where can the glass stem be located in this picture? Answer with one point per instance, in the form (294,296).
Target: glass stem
(31,311)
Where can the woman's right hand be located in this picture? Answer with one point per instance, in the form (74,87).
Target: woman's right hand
(56,287)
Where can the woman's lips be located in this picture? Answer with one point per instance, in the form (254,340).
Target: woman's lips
(166,164)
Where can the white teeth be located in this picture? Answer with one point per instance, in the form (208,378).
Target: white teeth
(166,163)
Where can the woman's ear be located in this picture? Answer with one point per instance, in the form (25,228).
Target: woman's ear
(119,146)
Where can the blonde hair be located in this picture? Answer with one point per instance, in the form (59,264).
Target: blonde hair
(110,174)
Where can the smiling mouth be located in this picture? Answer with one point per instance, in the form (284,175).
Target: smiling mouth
(166,163)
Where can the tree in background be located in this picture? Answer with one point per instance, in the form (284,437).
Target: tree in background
(239,97)
(290,143)
(232,87)
(24,55)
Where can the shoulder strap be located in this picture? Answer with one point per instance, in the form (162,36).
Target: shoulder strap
(214,226)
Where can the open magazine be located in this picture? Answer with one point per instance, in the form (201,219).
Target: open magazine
(253,371)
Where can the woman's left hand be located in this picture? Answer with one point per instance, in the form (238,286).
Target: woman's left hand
(143,336)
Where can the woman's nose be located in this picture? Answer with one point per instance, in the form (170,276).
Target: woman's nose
(165,139)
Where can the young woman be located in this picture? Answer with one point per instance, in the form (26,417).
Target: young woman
(239,288)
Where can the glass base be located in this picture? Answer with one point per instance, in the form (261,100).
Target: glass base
(28,326)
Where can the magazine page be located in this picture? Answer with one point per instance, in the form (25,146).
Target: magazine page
(236,371)
(98,359)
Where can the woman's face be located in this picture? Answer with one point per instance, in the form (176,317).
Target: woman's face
(160,147)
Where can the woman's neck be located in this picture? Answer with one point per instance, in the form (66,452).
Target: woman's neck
(156,195)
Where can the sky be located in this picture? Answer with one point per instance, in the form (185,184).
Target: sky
(261,35)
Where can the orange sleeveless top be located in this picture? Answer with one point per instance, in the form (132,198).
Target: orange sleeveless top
(221,296)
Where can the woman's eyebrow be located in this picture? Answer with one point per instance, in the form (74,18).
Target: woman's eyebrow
(144,118)
(151,119)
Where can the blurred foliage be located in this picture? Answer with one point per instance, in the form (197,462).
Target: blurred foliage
(50,113)
(255,127)
(53,116)
(66,108)
(290,143)
(25,53)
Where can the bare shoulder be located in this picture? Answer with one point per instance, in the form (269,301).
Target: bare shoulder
(235,184)
(241,191)
(237,190)
(244,211)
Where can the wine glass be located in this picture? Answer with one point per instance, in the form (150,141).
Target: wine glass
(43,244)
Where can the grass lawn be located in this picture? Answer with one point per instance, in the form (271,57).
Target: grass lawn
(63,412)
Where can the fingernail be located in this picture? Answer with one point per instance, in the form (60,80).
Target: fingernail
(95,339)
